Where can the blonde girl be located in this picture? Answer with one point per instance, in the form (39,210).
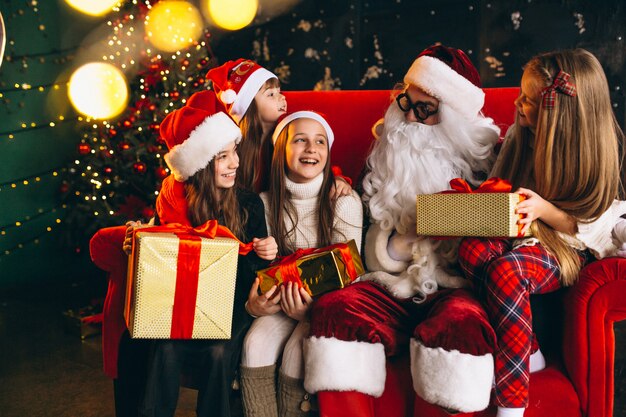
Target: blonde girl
(562,154)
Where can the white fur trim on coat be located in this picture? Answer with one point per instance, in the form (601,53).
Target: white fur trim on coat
(376,255)
(203,143)
(437,79)
(451,379)
(336,365)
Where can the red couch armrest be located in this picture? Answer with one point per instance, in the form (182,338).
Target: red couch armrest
(105,248)
(591,308)
(106,252)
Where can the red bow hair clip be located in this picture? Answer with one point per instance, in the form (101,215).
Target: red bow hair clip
(560,84)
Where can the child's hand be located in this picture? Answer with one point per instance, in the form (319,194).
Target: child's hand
(264,304)
(533,207)
(340,188)
(295,301)
(127,246)
(265,248)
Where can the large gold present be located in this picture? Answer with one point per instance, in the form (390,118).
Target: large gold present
(316,270)
(469,213)
(181,286)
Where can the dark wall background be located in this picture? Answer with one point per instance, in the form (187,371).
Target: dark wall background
(369,44)
(311,44)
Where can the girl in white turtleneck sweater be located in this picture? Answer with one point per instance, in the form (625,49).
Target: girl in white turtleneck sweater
(300,214)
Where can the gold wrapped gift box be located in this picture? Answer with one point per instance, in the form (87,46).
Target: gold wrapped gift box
(318,272)
(152,282)
(464,214)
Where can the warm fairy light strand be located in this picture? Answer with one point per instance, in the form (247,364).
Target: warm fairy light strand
(40,213)
(25,181)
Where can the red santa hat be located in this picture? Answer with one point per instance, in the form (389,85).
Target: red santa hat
(448,75)
(194,136)
(304,114)
(236,83)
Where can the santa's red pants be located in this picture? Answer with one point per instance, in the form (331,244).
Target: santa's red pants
(355,329)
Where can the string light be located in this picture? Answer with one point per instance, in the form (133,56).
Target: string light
(25,127)
(40,213)
(36,178)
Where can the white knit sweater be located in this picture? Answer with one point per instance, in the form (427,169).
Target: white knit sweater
(348,222)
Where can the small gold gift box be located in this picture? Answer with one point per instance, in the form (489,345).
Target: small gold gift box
(152,284)
(461,214)
(324,270)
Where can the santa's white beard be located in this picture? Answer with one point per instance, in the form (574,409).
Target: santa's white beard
(413,158)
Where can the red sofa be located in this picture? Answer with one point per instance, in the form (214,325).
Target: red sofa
(577,382)
(580,382)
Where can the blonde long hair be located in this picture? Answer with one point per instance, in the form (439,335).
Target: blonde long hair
(575,163)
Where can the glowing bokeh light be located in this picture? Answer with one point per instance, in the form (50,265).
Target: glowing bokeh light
(92,7)
(233,14)
(173,25)
(98,90)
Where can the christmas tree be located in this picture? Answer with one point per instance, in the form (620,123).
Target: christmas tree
(119,164)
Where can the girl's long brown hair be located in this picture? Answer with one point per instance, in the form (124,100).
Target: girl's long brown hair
(255,149)
(206,202)
(281,207)
(575,163)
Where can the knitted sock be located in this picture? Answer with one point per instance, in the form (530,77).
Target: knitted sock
(537,361)
(258,390)
(293,400)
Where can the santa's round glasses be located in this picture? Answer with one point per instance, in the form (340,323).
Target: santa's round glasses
(421,109)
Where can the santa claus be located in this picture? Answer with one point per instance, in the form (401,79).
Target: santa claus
(433,131)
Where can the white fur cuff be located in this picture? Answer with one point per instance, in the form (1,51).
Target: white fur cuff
(451,379)
(336,365)
(376,254)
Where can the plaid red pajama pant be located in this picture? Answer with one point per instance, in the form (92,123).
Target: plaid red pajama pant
(505,278)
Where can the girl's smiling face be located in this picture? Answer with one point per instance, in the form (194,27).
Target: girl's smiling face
(226,164)
(529,99)
(306,150)
(271,104)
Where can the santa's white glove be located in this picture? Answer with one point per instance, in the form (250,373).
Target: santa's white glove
(619,237)
(400,246)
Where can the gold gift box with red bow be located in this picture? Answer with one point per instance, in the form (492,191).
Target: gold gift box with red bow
(316,270)
(488,211)
(158,290)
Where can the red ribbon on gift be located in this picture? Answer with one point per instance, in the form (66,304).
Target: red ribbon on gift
(288,267)
(188,269)
(491,185)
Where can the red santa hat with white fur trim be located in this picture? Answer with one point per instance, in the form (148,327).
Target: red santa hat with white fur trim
(448,75)
(194,136)
(236,83)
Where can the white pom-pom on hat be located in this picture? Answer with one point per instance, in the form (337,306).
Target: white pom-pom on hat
(228,96)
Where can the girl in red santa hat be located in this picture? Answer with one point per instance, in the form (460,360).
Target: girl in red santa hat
(564,127)
(301,214)
(203,160)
